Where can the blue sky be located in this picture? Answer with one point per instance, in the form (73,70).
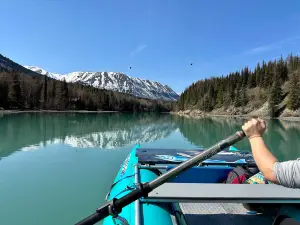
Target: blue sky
(158,39)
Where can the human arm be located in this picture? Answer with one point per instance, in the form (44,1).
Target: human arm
(286,173)
(264,159)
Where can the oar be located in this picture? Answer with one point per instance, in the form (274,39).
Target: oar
(114,207)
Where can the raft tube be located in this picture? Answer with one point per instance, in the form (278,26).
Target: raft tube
(124,183)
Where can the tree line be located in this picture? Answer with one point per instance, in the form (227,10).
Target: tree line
(275,81)
(25,92)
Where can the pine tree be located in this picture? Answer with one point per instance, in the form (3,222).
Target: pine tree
(207,104)
(15,97)
(282,70)
(45,94)
(294,92)
(220,97)
(65,95)
(241,98)
(268,76)
(238,100)
(252,81)
(188,97)
(231,93)
(258,76)
(3,92)
(53,95)
(58,96)
(38,100)
(181,101)
(245,76)
(211,98)
(244,98)
(275,96)
(293,62)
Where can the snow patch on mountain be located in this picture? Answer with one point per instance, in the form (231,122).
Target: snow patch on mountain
(43,72)
(116,81)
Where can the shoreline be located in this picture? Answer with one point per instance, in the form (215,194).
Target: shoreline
(189,115)
(247,116)
(52,111)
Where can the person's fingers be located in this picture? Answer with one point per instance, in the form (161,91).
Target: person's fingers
(254,121)
(262,122)
(263,125)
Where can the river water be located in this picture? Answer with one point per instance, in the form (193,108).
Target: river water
(56,168)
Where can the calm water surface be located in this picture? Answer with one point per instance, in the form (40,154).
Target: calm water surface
(57,168)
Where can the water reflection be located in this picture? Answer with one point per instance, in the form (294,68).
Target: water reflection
(282,137)
(207,131)
(29,131)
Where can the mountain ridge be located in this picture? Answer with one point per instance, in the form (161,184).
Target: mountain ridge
(24,89)
(115,81)
(8,65)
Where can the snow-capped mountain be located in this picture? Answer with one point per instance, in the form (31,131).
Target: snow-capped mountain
(116,81)
(43,72)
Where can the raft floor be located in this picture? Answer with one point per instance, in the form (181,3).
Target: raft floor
(221,214)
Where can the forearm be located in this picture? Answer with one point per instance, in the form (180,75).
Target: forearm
(263,158)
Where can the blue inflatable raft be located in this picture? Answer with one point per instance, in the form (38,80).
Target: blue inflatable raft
(202,186)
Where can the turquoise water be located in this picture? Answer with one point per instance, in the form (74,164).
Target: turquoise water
(57,168)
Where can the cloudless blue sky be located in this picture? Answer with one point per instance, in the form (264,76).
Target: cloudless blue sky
(157,38)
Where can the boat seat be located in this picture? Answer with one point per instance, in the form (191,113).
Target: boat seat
(238,193)
(206,174)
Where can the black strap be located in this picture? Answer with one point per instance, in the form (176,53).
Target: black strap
(108,194)
(238,176)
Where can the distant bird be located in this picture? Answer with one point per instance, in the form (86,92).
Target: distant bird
(191,64)
(130,67)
